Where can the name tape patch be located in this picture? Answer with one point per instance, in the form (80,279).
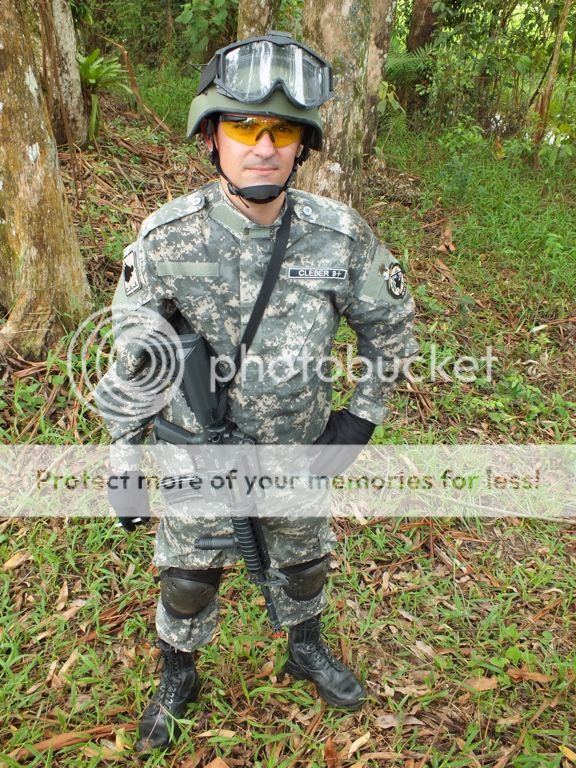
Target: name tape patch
(317,274)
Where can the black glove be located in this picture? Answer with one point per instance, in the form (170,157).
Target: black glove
(347,433)
(128,497)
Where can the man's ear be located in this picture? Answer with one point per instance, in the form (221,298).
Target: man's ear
(207,131)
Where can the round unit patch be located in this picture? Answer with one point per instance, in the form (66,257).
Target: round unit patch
(396,282)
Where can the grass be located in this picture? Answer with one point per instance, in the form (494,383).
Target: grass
(488,245)
(168,93)
(464,633)
(462,628)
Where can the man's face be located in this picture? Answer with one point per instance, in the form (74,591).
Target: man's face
(262,163)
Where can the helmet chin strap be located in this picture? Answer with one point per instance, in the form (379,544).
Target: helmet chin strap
(260,193)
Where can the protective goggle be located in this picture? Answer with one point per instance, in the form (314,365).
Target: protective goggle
(251,70)
(249,130)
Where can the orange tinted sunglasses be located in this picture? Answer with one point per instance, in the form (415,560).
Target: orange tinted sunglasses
(249,130)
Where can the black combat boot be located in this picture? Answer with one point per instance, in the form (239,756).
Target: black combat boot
(178,686)
(310,659)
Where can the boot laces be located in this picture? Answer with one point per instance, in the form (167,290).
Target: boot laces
(315,643)
(170,680)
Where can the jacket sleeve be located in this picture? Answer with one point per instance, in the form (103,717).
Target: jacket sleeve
(130,393)
(381,311)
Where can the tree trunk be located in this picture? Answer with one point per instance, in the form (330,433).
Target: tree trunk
(340,31)
(256,17)
(61,76)
(543,103)
(422,22)
(43,288)
(383,13)
(420,32)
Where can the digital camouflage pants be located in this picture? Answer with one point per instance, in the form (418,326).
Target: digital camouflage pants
(291,541)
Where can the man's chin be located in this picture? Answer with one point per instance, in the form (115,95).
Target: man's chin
(264,177)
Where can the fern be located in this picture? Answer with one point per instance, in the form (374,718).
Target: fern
(404,66)
(391,114)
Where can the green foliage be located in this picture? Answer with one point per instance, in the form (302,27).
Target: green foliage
(100,73)
(404,66)
(168,92)
(460,138)
(205,21)
(144,27)
(507,222)
(392,115)
(81,12)
(487,64)
(290,17)
(425,606)
(157,34)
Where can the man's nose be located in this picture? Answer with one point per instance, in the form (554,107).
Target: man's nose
(265,144)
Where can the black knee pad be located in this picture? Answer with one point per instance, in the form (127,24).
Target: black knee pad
(306,580)
(185,593)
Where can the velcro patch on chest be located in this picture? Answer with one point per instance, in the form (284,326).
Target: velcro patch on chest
(314,273)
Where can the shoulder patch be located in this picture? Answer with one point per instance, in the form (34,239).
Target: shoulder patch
(325,212)
(396,280)
(175,209)
(385,277)
(130,272)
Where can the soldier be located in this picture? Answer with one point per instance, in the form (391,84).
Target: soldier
(204,255)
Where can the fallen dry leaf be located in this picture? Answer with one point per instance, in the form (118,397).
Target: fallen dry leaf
(51,670)
(481,683)
(75,606)
(391,720)
(330,754)
(514,720)
(266,671)
(216,732)
(104,752)
(382,756)
(59,680)
(447,243)
(412,690)
(16,561)
(358,743)
(425,649)
(217,763)
(67,666)
(63,740)
(194,760)
(517,675)
(567,752)
(121,743)
(62,597)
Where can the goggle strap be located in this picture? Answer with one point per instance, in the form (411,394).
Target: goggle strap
(209,73)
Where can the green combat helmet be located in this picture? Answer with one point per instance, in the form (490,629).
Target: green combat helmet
(271,75)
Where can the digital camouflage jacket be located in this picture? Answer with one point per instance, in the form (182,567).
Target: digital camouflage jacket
(199,254)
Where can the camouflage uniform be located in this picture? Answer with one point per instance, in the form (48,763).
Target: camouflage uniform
(201,255)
